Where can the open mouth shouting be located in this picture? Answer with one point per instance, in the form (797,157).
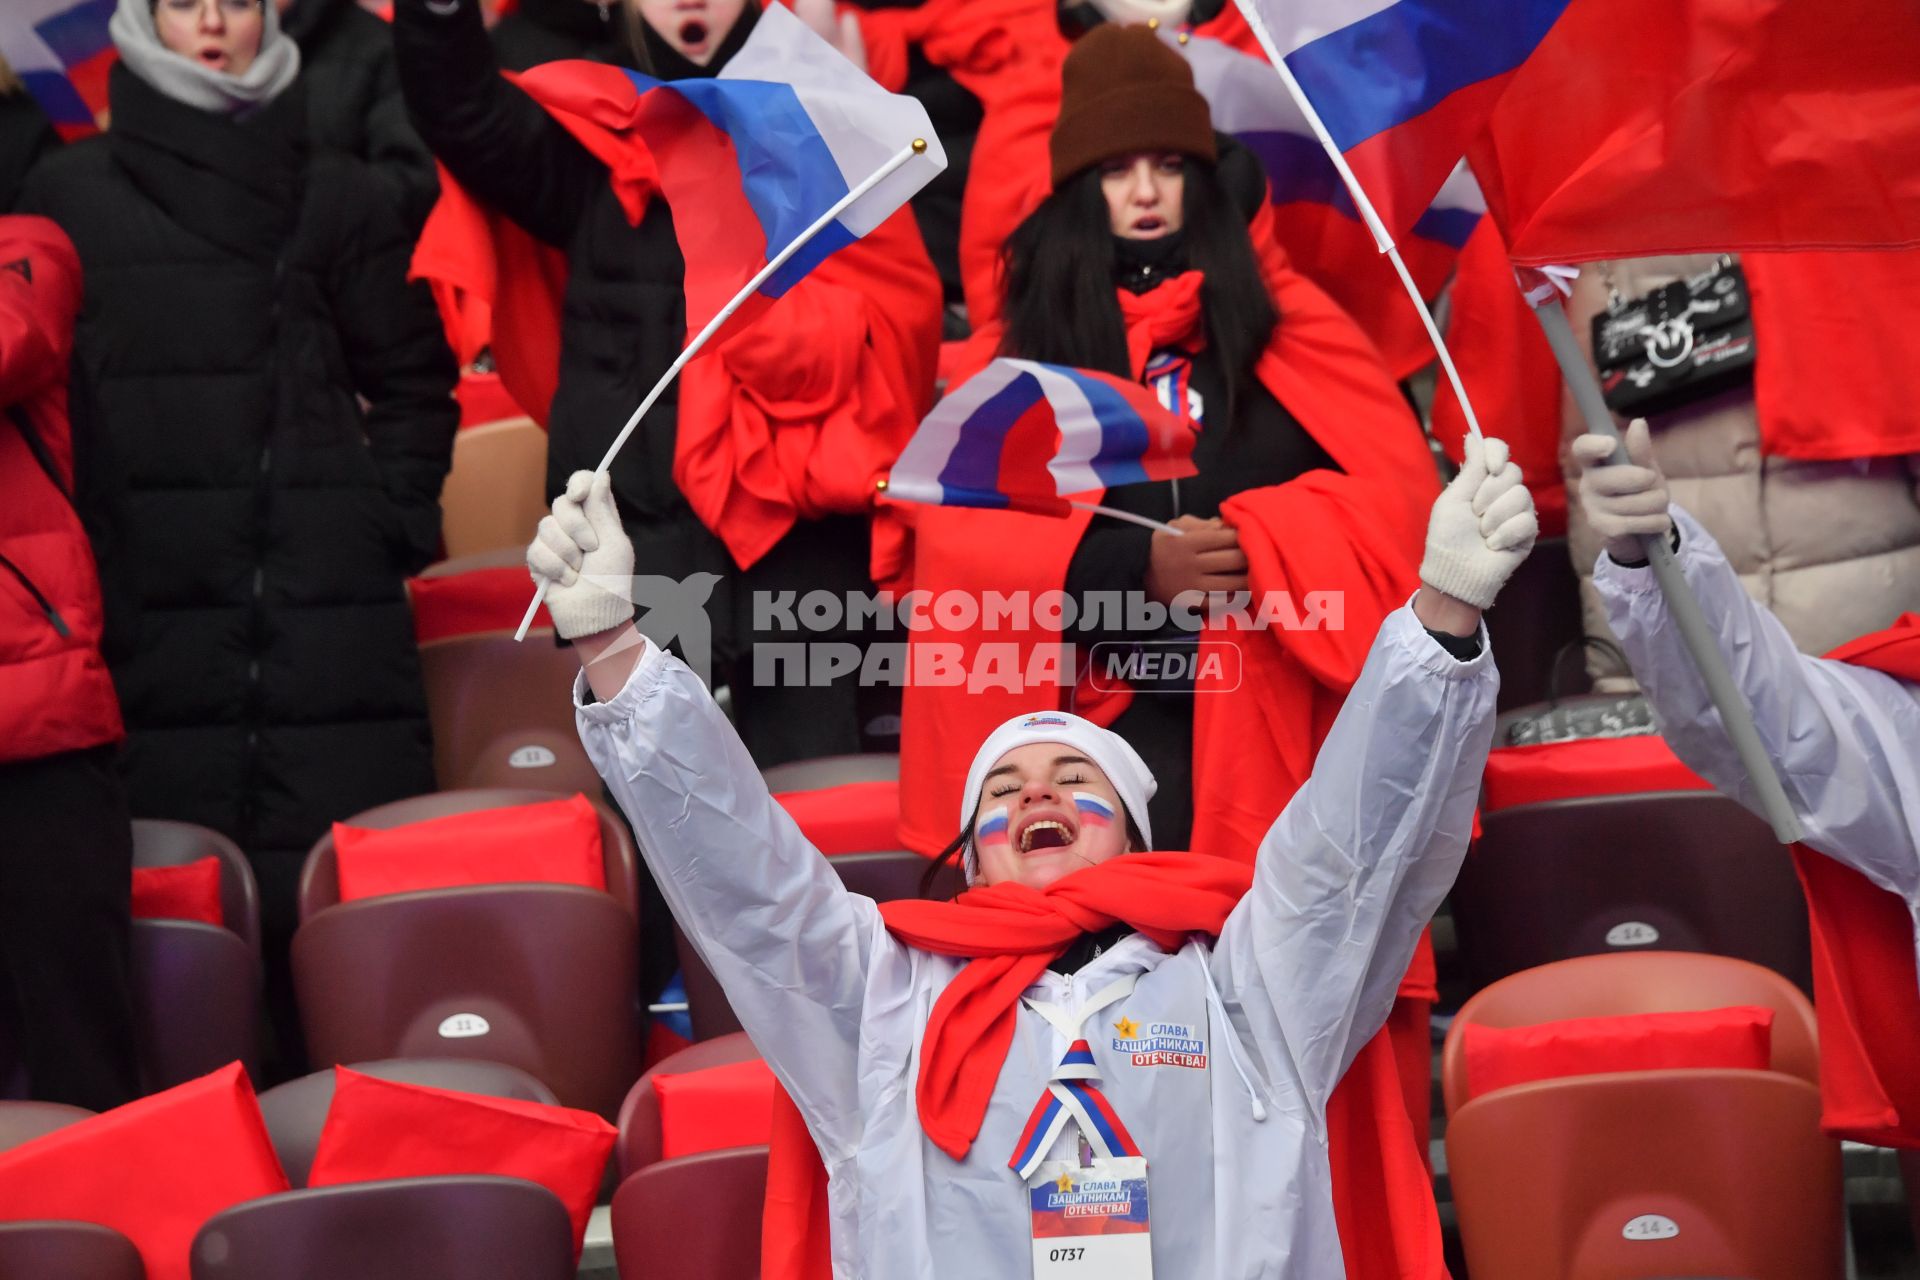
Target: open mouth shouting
(1149,226)
(693,37)
(1045,829)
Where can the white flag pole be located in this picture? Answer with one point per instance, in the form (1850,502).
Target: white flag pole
(840,206)
(1381,237)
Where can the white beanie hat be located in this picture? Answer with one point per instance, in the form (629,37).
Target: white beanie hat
(1115,756)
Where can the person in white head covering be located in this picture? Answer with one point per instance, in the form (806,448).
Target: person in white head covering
(278,401)
(1210,1007)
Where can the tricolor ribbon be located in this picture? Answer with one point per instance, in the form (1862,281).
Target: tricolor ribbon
(1072,1095)
(1170,374)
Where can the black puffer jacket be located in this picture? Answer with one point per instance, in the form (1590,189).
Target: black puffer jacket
(353,97)
(623,316)
(551,30)
(239,297)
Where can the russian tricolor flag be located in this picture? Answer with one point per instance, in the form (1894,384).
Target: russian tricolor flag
(61,51)
(1403,85)
(750,159)
(1021,435)
(1314,215)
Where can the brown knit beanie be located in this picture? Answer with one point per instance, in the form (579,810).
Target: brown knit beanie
(1123,90)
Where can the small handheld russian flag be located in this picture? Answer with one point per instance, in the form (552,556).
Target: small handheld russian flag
(787,155)
(1023,436)
(750,159)
(61,51)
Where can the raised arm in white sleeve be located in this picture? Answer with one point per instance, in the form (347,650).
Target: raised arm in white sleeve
(791,946)
(1357,863)
(1846,740)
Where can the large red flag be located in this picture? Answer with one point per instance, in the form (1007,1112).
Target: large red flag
(1645,127)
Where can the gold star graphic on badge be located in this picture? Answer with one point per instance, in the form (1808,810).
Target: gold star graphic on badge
(1065,1184)
(1127,1028)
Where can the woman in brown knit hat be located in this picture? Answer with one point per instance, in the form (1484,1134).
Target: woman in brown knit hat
(1141,263)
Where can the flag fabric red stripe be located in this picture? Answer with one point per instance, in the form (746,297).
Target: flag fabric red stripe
(1646,127)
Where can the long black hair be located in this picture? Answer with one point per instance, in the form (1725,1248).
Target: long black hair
(1059,268)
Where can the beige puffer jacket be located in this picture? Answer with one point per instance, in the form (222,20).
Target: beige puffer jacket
(1832,548)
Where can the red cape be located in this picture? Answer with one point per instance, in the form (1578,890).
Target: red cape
(794,417)
(1865,987)
(1330,377)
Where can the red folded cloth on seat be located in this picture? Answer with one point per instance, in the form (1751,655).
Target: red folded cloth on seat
(715,1108)
(1500,1057)
(387,1129)
(188,892)
(154,1170)
(551,842)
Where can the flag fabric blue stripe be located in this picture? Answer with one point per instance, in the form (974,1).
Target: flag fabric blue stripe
(973,467)
(1406,59)
(1447,226)
(1297,169)
(1123,436)
(76,34)
(57,97)
(787,171)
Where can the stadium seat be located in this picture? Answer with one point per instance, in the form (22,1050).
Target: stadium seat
(831,771)
(22,1121)
(544,977)
(159,843)
(1648,1174)
(1638,982)
(501,711)
(443,1228)
(1681,870)
(196,986)
(1536,617)
(297,1110)
(698,1215)
(67,1251)
(497,490)
(639,1141)
(883,877)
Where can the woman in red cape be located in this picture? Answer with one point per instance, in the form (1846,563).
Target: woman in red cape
(1314,479)
(1173,1022)
(1844,735)
(758,464)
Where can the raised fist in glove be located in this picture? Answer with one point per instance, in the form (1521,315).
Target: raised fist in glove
(1483,526)
(583,558)
(1625,502)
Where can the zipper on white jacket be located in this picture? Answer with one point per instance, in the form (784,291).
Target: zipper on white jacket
(1227,1033)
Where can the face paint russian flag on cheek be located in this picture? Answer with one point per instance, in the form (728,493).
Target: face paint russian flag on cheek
(993,828)
(1094,812)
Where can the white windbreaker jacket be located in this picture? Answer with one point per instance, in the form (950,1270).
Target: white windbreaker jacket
(1845,739)
(1303,974)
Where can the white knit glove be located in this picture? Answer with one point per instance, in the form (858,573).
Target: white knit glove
(584,559)
(1483,526)
(1626,502)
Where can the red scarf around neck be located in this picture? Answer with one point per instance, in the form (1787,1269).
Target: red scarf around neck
(1011,934)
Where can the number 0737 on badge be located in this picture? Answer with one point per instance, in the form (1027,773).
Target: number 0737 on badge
(1091,1221)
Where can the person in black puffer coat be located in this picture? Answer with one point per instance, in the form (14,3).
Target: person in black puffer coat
(243,299)
(551,30)
(353,96)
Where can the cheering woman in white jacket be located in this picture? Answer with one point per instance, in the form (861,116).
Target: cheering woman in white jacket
(1000,1085)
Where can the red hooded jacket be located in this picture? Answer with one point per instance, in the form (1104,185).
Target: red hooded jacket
(55,693)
